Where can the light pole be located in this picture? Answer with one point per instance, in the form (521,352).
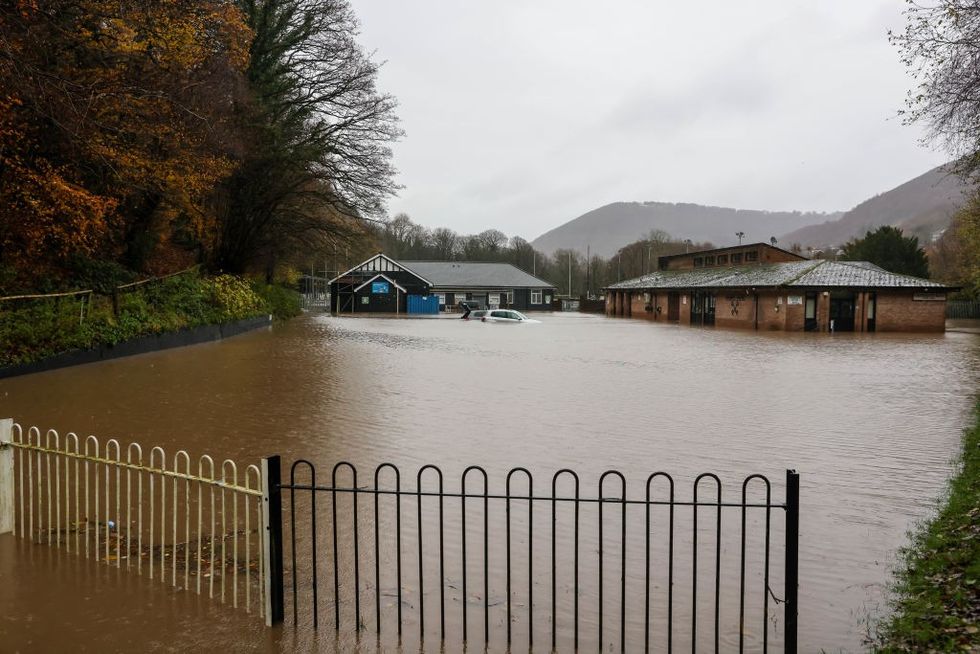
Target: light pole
(569,273)
(687,245)
(740,235)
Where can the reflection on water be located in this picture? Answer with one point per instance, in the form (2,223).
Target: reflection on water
(870,421)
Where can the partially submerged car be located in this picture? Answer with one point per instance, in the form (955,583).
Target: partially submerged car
(506,316)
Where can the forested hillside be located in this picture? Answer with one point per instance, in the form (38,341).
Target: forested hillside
(922,207)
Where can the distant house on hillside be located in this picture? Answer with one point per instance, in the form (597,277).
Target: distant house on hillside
(759,286)
(384,285)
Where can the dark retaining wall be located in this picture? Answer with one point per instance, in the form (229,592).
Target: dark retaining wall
(140,345)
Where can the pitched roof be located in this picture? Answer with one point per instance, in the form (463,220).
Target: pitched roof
(794,274)
(474,274)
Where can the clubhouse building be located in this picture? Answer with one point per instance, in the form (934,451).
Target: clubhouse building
(759,286)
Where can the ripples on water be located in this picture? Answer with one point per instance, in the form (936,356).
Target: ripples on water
(870,421)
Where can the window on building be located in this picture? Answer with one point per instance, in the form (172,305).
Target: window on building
(547,299)
(737,258)
(751,256)
(460,297)
(709,261)
(442,298)
(698,262)
(535,297)
(722,259)
(510,298)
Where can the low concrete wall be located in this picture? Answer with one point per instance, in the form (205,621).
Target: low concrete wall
(140,345)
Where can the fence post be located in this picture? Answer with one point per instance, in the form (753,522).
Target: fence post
(792,558)
(6,475)
(272,539)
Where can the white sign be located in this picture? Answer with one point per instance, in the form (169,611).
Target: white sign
(927,297)
(794,299)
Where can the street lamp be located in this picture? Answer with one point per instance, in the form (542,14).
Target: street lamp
(740,235)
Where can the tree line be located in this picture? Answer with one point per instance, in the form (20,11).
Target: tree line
(570,271)
(146,136)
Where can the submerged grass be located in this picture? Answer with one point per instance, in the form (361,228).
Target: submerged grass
(937,590)
(34,330)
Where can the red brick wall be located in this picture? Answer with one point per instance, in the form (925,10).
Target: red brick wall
(772,311)
(638,305)
(895,312)
(767,254)
(898,312)
(795,313)
(735,309)
(685,306)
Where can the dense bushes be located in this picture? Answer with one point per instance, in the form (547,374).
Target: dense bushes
(31,330)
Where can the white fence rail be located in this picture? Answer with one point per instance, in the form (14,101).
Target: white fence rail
(199,530)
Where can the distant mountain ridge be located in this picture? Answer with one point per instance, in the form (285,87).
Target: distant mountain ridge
(612,226)
(922,207)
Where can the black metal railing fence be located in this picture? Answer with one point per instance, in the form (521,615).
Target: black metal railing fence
(607,569)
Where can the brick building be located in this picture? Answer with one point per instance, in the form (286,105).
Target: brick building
(759,286)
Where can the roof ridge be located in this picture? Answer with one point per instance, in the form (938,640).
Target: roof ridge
(805,272)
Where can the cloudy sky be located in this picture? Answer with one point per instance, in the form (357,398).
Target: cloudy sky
(523,114)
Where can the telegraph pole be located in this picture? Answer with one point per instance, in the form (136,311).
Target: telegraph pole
(588,270)
(569,273)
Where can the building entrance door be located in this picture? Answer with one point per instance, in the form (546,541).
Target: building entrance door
(872,306)
(810,313)
(842,312)
(673,306)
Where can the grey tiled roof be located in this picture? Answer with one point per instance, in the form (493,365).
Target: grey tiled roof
(455,274)
(798,274)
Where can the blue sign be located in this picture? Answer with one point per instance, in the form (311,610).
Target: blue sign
(380,288)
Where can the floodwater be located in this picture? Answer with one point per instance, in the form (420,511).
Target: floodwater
(871,422)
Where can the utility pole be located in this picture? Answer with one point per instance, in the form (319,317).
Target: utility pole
(569,273)
(588,270)
(534,262)
(649,248)
(619,272)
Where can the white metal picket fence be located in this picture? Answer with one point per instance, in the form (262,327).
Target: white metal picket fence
(198,528)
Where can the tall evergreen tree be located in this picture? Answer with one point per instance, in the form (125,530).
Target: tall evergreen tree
(889,248)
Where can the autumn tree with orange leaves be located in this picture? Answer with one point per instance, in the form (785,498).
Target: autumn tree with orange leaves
(157,133)
(114,127)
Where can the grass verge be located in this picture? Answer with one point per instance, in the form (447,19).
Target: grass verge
(34,330)
(937,590)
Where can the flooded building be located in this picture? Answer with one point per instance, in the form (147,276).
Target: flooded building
(384,285)
(759,286)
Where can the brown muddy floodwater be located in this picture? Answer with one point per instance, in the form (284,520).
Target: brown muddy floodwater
(871,422)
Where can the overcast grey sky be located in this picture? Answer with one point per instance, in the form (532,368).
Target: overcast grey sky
(522,115)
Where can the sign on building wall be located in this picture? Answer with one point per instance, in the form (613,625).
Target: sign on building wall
(379,288)
(926,297)
(794,299)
